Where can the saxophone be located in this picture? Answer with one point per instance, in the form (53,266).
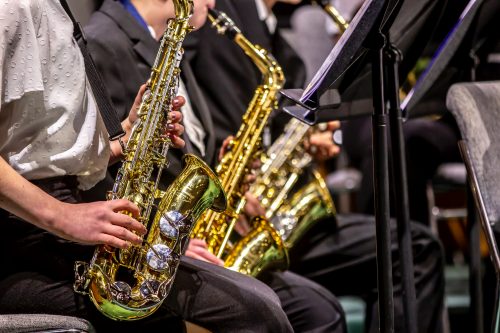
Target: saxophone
(282,166)
(262,248)
(129,284)
(334,14)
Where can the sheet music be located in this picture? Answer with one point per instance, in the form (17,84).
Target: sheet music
(321,74)
(455,35)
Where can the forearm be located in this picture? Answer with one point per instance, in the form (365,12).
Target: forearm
(22,198)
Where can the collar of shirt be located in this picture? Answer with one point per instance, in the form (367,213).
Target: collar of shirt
(266,15)
(129,7)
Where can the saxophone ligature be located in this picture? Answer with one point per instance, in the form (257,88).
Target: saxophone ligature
(129,284)
(262,248)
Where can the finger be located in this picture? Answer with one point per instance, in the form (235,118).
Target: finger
(334,150)
(207,256)
(175,116)
(198,242)
(178,102)
(194,255)
(140,94)
(244,188)
(202,258)
(119,205)
(177,142)
(321,139)
(333,125)
(175,129)
(126,221)
(123,234)
(249,179)
(225,144)
(256,164)
(113,241)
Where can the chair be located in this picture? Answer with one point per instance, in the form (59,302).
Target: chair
(476,108)
(30,323)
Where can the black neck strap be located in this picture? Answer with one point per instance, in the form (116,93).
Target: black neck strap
(101,95)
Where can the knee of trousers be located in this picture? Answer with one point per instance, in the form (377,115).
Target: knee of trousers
(428,252)
(303,299)
(262,308)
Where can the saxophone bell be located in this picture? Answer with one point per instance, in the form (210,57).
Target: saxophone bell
(130,284)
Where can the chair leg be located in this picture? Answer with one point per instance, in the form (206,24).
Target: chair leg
(475,276)
(495,327)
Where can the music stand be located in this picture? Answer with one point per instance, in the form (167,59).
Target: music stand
(368,34)
(460,38)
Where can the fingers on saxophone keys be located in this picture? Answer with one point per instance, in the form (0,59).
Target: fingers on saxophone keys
(175,129)
(177,142)
(129,223)
(174,117)
(114,241)
(178,102)
(120,205)
(124,236)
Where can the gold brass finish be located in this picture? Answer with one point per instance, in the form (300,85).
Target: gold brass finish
(306,207)
(129,284)
(216,228)
(282,166)
(334,14)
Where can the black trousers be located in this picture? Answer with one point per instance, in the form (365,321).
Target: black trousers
(37,277)
(341,257)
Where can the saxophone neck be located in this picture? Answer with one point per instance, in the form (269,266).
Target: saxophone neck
(334,14)
(273,76)
(272,73)
(183,11)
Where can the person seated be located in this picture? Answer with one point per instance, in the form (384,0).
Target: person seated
(124,56)
(54,145)
(339,254)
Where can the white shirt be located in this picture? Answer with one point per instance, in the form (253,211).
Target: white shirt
(192,125)
(266,15)
(49,122)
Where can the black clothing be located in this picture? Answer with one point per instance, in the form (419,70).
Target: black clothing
(122,54)
(341,257)
(38,278)
(228,91)
(227,78)
(429,143)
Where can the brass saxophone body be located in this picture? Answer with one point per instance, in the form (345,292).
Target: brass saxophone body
(282,167)
(129,284)
(215,228)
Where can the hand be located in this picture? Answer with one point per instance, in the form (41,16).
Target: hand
(225,145)
(320,144)
(198,249)
(253,207)
(173,129)
(98,223)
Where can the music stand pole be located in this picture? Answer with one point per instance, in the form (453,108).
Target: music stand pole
(381,187)
(393,58)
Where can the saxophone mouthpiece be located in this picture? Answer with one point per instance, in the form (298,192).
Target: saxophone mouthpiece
(223,24)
